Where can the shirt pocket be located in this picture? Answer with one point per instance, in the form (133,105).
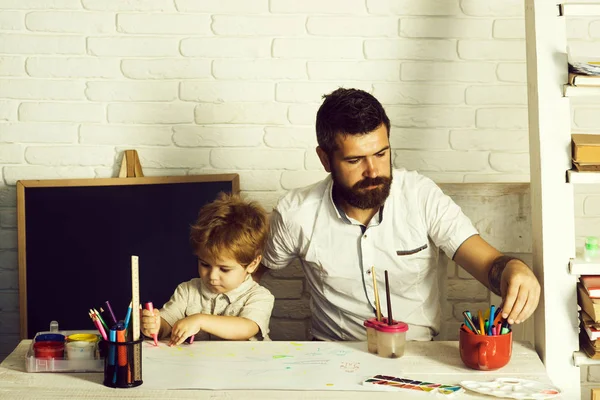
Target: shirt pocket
(414,262)
(412,251)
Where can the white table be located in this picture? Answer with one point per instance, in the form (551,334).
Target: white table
(426,361)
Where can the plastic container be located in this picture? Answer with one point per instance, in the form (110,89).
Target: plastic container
(49,349)
(81,350)
(61,363)
(371,334)
(123,363)
(391,339)
(590,250)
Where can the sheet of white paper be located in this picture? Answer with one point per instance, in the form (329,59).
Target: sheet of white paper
(264,365)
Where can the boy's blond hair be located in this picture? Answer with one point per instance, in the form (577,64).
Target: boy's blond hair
(230,227)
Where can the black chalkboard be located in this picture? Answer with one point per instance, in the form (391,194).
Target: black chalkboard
(76,239)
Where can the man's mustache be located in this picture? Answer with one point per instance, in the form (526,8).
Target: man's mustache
(371,182)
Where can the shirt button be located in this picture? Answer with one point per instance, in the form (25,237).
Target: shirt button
(364,236)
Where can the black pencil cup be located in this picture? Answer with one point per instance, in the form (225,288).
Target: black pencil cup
(122,363)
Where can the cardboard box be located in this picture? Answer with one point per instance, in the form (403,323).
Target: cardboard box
(585,148)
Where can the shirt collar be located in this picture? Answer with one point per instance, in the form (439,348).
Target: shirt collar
(232,295)
(376,220)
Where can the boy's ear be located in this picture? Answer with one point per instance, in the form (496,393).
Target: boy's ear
(253,265)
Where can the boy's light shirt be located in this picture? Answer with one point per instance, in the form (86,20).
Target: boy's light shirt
(336,256)
(249,300)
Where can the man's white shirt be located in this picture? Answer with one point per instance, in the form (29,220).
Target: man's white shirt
(337,254)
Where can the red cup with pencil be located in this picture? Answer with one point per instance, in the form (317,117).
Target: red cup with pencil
(485,345)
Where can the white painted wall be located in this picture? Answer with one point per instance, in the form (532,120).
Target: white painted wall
(233,86)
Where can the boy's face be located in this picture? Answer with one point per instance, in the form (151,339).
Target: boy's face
(225,274)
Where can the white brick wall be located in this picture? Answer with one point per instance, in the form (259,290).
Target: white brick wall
(233,86)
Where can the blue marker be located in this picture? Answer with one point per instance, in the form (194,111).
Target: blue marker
(128,316)
(492,309)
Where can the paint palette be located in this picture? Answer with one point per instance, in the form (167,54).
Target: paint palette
(513,388)
(386,382)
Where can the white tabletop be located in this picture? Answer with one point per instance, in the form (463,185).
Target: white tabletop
(426,361)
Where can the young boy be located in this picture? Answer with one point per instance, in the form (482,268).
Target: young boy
(225,302)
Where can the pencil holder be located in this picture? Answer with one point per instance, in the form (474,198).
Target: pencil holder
(122,363)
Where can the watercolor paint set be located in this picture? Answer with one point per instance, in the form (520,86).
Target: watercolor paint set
(386,382)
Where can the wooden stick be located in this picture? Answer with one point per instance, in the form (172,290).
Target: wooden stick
(377,306)
(389,299)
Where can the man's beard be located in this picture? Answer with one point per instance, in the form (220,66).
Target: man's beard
(363,199)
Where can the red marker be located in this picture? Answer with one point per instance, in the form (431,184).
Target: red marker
(148,306)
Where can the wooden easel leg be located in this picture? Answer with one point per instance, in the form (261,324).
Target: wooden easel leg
(130,165)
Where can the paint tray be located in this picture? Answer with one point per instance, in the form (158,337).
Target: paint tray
(63,364)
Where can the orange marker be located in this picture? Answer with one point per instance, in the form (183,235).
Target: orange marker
(150,308)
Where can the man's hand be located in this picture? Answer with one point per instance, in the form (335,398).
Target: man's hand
(520,292)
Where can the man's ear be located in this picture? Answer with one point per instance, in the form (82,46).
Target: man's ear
(254,264)
(324,159)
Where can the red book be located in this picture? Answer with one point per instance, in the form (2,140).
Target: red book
(591,283)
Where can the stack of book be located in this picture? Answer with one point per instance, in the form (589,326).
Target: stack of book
(585,150)
(584,72)
(588,295)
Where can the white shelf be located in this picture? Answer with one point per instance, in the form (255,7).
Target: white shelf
(582,267)
(583,177)
(580,91)
(579,9)
(580,358)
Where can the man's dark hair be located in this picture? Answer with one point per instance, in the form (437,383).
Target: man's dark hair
(349,112)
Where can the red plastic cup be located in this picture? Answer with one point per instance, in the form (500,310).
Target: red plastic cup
(49,349)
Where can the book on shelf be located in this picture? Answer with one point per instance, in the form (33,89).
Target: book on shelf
(589,347)
(590,306)
(585,167)
(585,149)
(591,283)
(583,80)
(591,328)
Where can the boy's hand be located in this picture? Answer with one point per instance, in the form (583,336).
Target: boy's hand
(185,328)
(150,322)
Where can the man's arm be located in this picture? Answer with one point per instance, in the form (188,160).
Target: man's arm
(506,276)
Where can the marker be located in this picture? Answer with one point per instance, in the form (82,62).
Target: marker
(492,309)
(481,328)
(111,355)
(148,306)
(190,340)
(466,329)
(469,322)
(121,354)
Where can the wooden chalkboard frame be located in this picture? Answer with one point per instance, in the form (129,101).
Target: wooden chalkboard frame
(22,185)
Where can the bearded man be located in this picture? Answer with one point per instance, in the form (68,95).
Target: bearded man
(366,213)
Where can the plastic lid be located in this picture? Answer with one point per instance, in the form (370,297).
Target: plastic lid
(396,327)
(368,323)
(46,337)
(82,337)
